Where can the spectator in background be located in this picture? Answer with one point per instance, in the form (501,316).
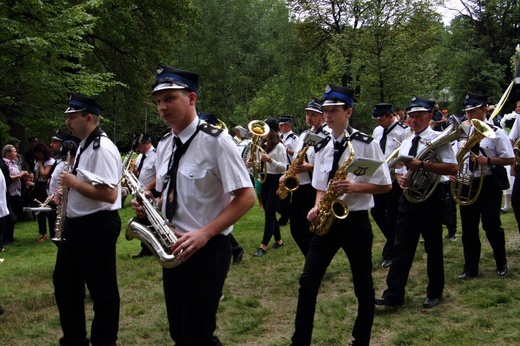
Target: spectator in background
(14,191)
(42,169)
(29,154)
(4,214)
(439,118)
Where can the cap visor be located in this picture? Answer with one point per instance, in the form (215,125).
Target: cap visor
(333,103)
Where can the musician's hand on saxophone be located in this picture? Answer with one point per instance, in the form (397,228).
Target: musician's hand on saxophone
(304,167)
(312,214)
(188,243)
(343,186)
(136,204)
(68,180)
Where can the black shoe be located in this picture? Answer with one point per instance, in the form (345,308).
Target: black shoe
(141,254)
(283,221)
(277,245)
(466,275)
(386,263)
(386,302)
(431,302)
(260,252)
(238,253)
(502,271)
(1,310)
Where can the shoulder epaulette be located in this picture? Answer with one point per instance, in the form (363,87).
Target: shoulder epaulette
(292,135)
(363,137)
(166,136)
(211,130)
(321,144)
(403,125)
(96,144)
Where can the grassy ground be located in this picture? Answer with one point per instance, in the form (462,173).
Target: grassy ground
(260,296)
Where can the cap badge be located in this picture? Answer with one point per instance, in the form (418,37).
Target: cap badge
(328,89)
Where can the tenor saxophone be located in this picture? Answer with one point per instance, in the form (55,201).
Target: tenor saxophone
(291,181)
(159,236)
(332,205)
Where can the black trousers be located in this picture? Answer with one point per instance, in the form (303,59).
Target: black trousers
(192,293)
(270,201)
(88,256)
(384,213)
(515,196)
(487,209)
(417,219)
(354,235)
(303,200)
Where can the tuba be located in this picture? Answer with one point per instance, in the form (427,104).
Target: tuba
(259,128)
(461,189)
(331,205)
(424,183)
(159,236)
(291,181)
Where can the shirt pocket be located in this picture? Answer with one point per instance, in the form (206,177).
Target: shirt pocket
(192,182)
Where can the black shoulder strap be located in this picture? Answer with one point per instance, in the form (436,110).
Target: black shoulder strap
(211,130)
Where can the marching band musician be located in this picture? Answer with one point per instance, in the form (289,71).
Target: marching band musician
(389,133)
(487,153)
(289,140)
(206,190)
(411,217)
(91,229)
(514,136)
(236,250)
(275,157)
(353,234)
(145,172)
(303,198)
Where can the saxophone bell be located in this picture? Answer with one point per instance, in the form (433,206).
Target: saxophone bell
(339,207)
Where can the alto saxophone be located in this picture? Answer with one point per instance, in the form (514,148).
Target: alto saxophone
(291,182)
(61,208)
(159,236)
(331,205)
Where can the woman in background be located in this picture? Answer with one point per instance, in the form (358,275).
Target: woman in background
(274,156)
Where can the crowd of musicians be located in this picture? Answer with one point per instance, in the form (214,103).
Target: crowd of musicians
(201,180)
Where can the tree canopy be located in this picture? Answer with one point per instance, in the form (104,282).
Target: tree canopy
(256,58)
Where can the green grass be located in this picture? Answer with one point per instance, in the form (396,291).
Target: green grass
(260,295)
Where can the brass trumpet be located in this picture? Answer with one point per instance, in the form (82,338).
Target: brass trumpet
(259,128)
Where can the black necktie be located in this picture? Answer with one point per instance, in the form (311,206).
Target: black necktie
(171,195)
(140,165)
(415,145)
(339,148)
(473,165)
(382,142)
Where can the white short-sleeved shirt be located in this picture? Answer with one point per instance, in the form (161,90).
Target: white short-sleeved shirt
(515,130)
(500,146)
(53,182)
(208,173)
(444,152)
(305,178)
(323,165)
(290,140)
(398,131)
(47,163)
(3,197)
(147,174)
(104,162)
